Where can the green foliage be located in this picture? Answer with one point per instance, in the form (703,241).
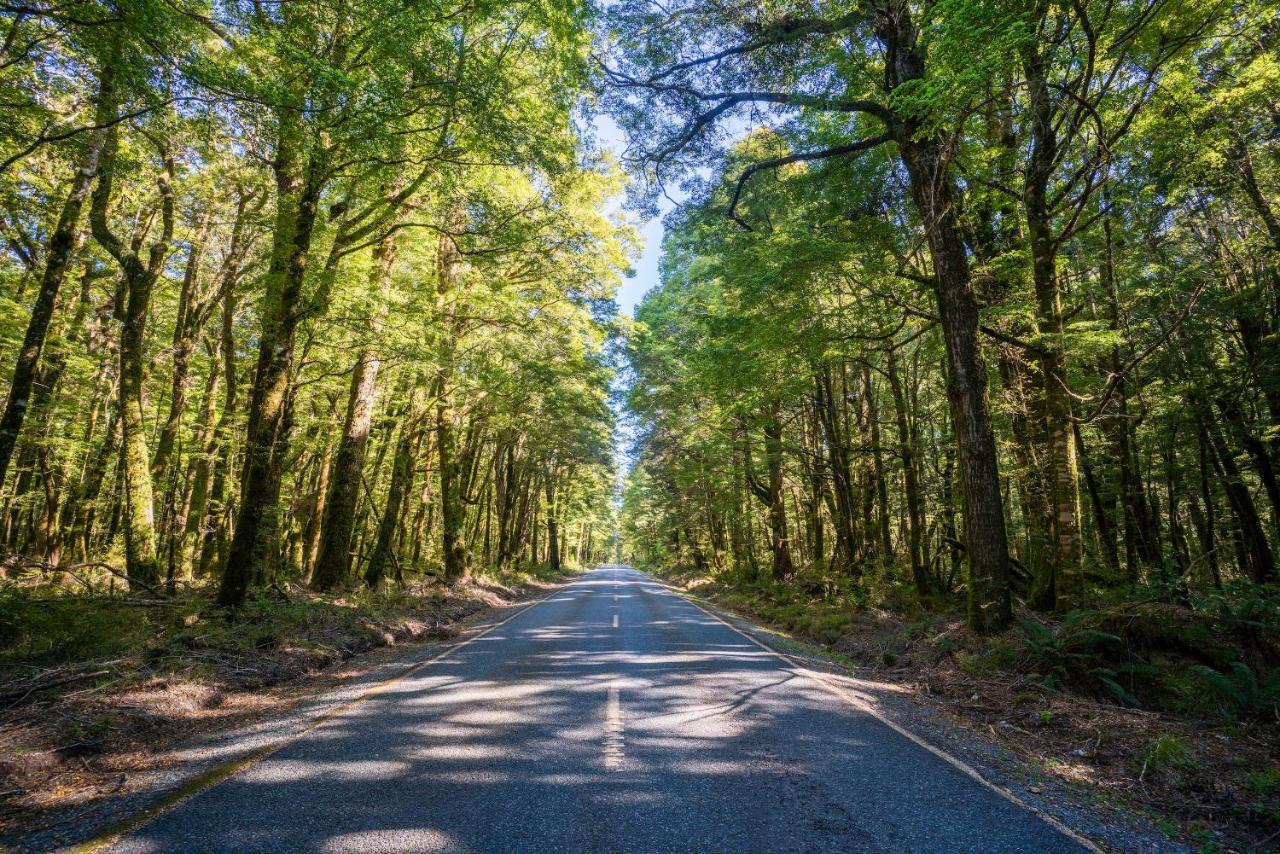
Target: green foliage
(1075,651)
(1265,782)
(1059,650)
(1241,691)
(39,630)
(1168,753)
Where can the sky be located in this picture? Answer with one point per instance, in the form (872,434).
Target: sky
(612,138)
(633,289)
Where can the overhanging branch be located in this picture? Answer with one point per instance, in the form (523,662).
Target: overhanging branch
(834,151)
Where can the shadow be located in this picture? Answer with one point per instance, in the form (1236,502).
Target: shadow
(559,732)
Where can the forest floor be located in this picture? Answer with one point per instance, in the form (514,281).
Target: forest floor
(1207,779)
(96,692)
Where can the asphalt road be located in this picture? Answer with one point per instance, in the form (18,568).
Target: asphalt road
(612,716)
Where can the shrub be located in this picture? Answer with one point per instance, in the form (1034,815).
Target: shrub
(1168,752)
(1240,691)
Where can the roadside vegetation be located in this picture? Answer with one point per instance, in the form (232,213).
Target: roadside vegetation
(99,688)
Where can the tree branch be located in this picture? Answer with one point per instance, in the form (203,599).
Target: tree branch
(834,151)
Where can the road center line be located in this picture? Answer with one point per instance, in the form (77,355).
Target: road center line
(615,621)
(613,741)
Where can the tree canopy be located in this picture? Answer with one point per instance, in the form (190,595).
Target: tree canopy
(307,292)
(983,301)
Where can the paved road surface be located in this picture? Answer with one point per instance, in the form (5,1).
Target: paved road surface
(613,716)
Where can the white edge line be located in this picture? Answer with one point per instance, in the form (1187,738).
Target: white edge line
(863,706)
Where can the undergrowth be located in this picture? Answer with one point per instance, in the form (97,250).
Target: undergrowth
(276,634)
(1214,655)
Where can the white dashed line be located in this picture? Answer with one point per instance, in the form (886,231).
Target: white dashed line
(613,743)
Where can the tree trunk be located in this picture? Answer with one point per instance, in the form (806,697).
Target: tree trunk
(212,531)
(841,476)
(910,479)
(142,562)
(1258,561)
(926,158)
(401,482)
(1061,480)
(452,513)
(62,244)
(990,608)
(553,523)
(186,331)
(253,543)
(780,541)
(877,470)
(334,563)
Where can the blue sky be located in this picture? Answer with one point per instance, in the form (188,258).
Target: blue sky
(611,138)
(646,268)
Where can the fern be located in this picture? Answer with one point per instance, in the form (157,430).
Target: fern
(1074,648)
(1108,679)
(1239,689)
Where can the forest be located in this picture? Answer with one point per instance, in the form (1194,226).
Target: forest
(290,299)
(972,310)
(306,320)
(968,318)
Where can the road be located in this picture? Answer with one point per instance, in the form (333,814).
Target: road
(612,716)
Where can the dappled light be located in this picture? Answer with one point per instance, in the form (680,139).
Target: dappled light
(555,731)
(594,425)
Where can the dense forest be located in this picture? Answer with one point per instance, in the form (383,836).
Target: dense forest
(965,363)
(989,311)
(967,322)
(313,292)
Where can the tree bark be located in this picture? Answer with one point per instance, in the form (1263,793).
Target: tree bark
(449,264)
(772,497)
(253,543)
(910,479)
(401,482)
(926,157)
(62,244)
(553,522)
(1061,480)
(142,562)
(334,562)
(989,607)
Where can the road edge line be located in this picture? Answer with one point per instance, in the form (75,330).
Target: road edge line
(218,773)
(863,706)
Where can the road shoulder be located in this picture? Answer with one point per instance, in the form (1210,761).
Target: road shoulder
(1078,808)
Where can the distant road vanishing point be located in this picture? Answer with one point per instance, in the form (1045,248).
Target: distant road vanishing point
(612,716)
